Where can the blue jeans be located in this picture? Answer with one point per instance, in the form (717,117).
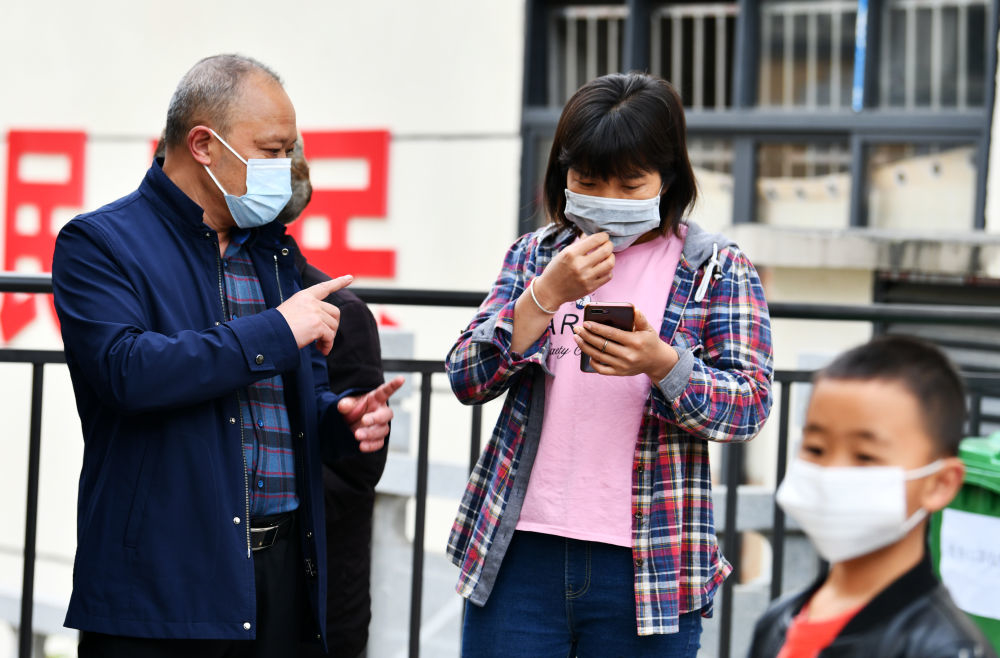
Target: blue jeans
(557,597)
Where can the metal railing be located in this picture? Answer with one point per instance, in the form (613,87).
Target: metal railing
(814,35)
(692,46)
(807,51)
(590,40)
(979,385)
(945,30)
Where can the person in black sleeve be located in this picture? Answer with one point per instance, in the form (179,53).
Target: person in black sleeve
(354,364)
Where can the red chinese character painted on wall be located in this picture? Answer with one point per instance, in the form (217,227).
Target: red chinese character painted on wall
(36,198)
(339,206)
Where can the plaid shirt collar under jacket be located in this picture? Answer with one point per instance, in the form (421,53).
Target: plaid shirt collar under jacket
(719,390)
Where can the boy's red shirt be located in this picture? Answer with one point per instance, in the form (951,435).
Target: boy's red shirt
(805,639)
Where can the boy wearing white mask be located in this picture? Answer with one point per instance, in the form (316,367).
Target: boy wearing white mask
(878,455)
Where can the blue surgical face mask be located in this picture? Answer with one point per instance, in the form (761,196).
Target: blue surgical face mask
(624,220)
(269,187)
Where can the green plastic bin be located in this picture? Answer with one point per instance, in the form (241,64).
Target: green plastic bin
(972,541)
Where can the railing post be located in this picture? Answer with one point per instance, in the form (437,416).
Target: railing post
(733,468)
(975,414)
(31,513)
(778,531)
(475,442)
(417,577)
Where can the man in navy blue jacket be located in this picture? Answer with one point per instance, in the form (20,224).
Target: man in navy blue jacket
(197,363)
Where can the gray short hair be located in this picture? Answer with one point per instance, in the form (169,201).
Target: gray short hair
(207,92)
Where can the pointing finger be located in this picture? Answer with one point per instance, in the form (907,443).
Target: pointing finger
(322,290)
(385,391)
(353,408)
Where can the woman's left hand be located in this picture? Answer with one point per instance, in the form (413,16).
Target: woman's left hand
(623,353)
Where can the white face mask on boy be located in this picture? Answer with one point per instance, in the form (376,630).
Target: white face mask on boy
(850,511)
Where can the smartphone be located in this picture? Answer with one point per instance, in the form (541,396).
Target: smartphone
(620,315)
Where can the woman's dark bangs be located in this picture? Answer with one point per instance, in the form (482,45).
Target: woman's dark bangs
(608,152)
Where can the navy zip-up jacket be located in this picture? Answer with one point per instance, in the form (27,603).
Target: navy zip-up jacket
(162,527)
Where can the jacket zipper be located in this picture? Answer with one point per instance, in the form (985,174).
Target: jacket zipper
(239,407)
(277,279)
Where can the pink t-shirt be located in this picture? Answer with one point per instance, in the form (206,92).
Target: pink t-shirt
(581,481)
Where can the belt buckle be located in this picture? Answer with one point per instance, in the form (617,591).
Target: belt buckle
(261,538)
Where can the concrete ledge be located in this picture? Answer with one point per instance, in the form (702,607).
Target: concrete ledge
(47,616)
(957,254)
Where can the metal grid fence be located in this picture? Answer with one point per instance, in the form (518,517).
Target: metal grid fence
(728,495)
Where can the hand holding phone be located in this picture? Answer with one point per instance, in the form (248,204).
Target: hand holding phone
(620,315)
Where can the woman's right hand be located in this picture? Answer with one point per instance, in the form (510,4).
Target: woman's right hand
(578,270)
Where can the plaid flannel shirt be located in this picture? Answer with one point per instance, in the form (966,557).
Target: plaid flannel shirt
(268,453)
(719,390)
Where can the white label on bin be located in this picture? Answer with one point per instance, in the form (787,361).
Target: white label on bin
(970,561)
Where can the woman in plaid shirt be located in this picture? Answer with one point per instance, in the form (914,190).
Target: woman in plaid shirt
(586,528)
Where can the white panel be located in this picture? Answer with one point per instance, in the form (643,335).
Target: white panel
(427,67)
(970,561)
(339,174)
(924,193)
(39,168)
(114,167)
(27,220)
(452,211)
(315,232)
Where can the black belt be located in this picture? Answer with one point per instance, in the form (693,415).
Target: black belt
(266,530)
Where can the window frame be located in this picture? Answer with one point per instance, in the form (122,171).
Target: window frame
(746,126)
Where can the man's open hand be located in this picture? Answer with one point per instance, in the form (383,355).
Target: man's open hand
(368,415)
(310,318)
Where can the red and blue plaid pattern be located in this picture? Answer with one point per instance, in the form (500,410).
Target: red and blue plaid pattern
(270,460)
(727,397)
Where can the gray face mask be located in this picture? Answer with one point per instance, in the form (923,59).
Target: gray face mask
(624,220)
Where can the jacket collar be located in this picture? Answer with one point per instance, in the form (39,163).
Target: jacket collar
(909,587)
(178,207)
(170,199)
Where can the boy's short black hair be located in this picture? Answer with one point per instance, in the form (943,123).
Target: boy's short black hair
(923,369)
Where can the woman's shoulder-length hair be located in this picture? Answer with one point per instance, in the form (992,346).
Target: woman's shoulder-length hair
(621,125)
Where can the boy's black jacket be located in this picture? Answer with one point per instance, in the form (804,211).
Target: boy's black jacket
(914,617)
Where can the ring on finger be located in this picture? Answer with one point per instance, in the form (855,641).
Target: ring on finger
(605,345)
